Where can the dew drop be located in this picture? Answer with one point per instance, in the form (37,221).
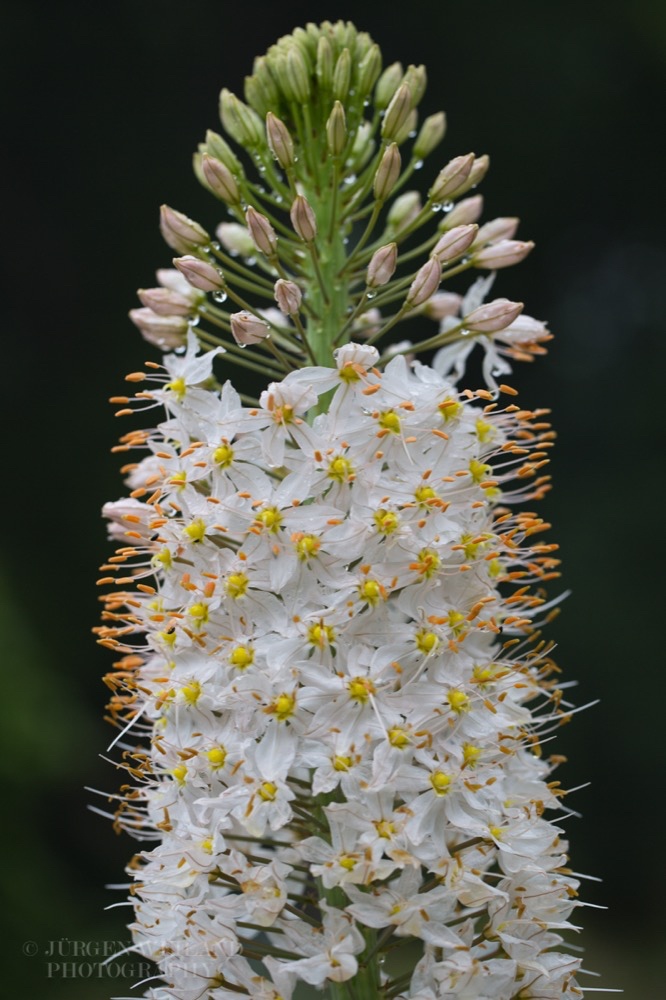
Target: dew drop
(366,102)
(242,346)
(447,206)
(412,134)
(250,261)
(464,333)
(180,350)
(219,296)
(418,165)
(194,320)
(370,295)
(279,199)
(437,207)
(496,372)
(215,245)
(346,240)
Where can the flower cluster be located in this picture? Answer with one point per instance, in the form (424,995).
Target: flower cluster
(332,688)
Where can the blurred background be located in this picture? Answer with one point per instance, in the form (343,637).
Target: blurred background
(105,104)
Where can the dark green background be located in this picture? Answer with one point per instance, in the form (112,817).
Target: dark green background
(105,106)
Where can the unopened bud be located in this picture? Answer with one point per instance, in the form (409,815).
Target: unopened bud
(280,141)
(288,296)
(220,180)
(497,229)
(451,178)
(478,171)
(166,301)
(403,210)
(181,233)
(336,129)
(502,254)
(408,127)
(369,69)
(241,122)
(425,283)
(342,75)
(388,172)
(303,219)
(324,65)
(442,304)
(261,231)
(387,85)
(417,81)
(454,243)
(466,211)
(166,332)
(431,134)
(222,151)
(298,76)
(493,316)
(199,273)
(255,95)
(246,329)
(270,94)
(236,239)
(363,146)
(397,112)
(382,266)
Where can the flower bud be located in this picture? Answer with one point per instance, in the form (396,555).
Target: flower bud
(299,77)
(369,69)
(443,304)
(466,211)
(388,172)
(222,151)
(255,95)
(261,231)
(454,243)
(342,75)
(179,232)
(478,171)
(220,180)
(241,122)
(382,266)
(425,283)
(363,146)
(288,296)
(268,90)
(408,127)
(303,219)
(451,178)
(431,134)
(493,316)
(387,85)
(280,141)
(417,81)
(247,329)
(497,229)
(166,301)
(324,65)
(397,112)
(502,254)
(200,273)
(166,332)
(336,129)
(403,210)
(236,239)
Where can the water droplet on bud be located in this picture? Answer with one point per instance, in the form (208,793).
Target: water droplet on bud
(418,165)
(370,295)
(219,296)
(436,207)
(194,320)
(447,206)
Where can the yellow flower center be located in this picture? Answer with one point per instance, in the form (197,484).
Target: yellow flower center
(236,585)
(217,756)
(386,521)
(195,531)
(340,469)
(177,387)
(307,546)
(398,738)
(320,634)
(455,620)
(269,518)
(180,773)
(484,430)
(428,563)
(390,421)
(268,791)
(223,456)
(341,763)
(450,409)
(426,641)
(347,862)
(370,591)
(348,373)
(199,612)
(440,782)
(283,707)
(458,700)
(478,470)
(471,754)
(424,493)
(164,558)
(384,828)
(241,657)
(360,689)
(191,692)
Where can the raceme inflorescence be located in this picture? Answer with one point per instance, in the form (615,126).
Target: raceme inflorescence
(331,686)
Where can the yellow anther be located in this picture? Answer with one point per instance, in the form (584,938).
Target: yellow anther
(199,612)
(424,493)
(270,518)
(484,430)
(191,692)
(478,470)
(347,862)
(385,828)
(471,754)
(241,657)
(180,773)
(320,634)
(426,642)
(195,531)
(458,700)
(177,387)
(370,591)
(236,585)
(341,763)
(360,689)
(307,546)
(386,521)
(217,756)
(399,738)
(440,782)
(390,421)
(268,791)
(223,456)
(340,469)
(428,563)
(164,557)
(450,409)
(283,706)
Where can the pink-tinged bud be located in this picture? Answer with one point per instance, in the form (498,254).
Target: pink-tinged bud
(404,209)
(454,243)
(442,304)
(497,229)
(235,238)
(451,178)
(303,219)
(466,211)
(431,134)
(288,296)
(246,329)
(181,233)
(199,273)
(220,180)
(478,171)
(280,141)
(388,172)
(166,302)
(397,112)
(261,231)
(502,254)
(166,332)
(425,283)
(493,316)
(382,266)
(407,127)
